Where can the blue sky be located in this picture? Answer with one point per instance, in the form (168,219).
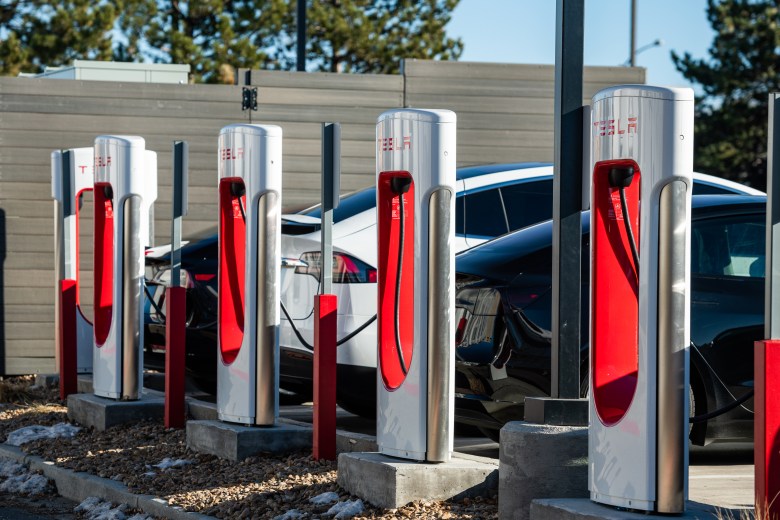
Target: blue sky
(523,31)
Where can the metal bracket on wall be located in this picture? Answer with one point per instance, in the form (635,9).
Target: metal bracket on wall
(249,100)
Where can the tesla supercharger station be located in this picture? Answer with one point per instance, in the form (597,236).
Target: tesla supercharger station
(71,176)
(125,188)
(416,218)
(250,201)
(641,163)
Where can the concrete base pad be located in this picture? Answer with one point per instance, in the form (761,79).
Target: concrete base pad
(102,413)
(584,509)
(237,442)
(391,483)
(540,461)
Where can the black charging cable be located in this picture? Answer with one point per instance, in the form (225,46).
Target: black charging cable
(620,178)
(399,186)
(720,411)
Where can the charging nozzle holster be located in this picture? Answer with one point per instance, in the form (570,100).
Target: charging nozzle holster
(399,185)
(621,176)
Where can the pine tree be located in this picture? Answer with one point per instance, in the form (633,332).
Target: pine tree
(731,116)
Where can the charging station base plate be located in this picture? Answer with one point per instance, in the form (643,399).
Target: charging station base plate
(237,442)
(102,413)
(391,483)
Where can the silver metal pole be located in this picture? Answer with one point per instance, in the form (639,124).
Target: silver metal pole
(132,294)
(772,273)
(180,177)
(331,172)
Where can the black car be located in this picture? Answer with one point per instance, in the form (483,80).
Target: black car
(504,306)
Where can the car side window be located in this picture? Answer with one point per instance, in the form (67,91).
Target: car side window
(704,188)
(459,217)
(484,214)
(527,203)
(731,246)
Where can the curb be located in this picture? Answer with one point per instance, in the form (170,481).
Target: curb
(77,486)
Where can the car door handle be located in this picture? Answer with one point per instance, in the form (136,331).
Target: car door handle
(293,262)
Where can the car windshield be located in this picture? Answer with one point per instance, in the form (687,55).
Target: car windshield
(349,205)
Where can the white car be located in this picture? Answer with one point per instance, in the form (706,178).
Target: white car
(490,201)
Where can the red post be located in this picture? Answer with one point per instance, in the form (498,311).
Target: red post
(68,340)
(175,332)
(766,383)
(324,442)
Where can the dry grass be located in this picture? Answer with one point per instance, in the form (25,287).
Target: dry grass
(17,390)
(759,513)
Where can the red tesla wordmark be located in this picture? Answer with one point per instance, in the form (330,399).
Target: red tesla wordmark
(389,144)
(615,126)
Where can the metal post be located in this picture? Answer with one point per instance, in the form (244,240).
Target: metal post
(300,22)
(176,298)
(326,304)
(766,357)
(632,37)
(331,172)
(567,200)
(180,174)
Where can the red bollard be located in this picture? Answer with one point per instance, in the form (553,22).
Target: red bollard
(68,341)
(766,444)
(324,441)
(175,333)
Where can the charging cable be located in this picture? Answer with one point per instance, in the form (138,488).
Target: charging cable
(720,411)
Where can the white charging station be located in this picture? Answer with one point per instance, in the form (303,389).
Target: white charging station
(71,176)
(250,201)
(415,168)
(125,187)
(641,165)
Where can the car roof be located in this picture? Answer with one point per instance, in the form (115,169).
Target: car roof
(469,172)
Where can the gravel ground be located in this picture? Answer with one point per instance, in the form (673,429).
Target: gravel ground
(263,487)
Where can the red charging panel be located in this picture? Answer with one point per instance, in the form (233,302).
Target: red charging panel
(78,252)
(232,260)
(104,263)
(615,300)
(388,219)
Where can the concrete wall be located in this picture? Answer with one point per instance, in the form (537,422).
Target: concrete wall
(505,115)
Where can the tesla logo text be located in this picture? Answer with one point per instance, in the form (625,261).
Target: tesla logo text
(102,162)
(389,144)
(616,126)
(83,169)
(230,154)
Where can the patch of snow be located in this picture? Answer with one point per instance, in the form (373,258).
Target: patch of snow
(292,514)
(167,463)
(346,509)
(95,508)
(140,516)
(25,484)
(325,498)
(149,474)
(35,432)
(9,468)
